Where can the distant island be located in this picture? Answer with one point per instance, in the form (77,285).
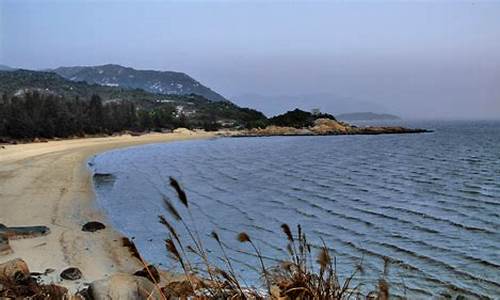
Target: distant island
(367,116)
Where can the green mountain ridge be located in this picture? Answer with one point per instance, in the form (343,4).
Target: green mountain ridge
(18,82)
(157,82)
(27,95)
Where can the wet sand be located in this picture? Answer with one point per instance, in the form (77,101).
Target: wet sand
(49,184)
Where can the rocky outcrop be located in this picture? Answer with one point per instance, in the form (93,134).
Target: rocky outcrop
(329,126)
(276,130)
(387,130)
(324,126)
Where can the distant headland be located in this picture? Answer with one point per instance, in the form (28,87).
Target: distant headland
(302,123)
(367,116)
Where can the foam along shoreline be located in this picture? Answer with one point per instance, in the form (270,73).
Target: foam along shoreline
(49,184)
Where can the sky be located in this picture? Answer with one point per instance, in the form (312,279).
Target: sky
(418,59)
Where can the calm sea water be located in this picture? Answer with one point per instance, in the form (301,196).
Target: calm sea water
(429,202)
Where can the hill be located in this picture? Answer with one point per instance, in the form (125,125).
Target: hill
(158,82)
(44,104)
(6,68)
(19,82)
(367,116)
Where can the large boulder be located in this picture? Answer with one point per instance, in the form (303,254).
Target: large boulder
(150,272)
(71,274)
(121,286)
(93,226)
(14,271)
(183,130)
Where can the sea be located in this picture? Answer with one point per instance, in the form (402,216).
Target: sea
(419,210)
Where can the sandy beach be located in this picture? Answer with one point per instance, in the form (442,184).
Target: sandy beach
(49,184)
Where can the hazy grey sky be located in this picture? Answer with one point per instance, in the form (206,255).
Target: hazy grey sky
(419,59)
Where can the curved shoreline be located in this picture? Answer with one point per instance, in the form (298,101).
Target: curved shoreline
(50,184)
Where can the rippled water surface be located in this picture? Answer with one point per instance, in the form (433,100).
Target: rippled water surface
(430,202)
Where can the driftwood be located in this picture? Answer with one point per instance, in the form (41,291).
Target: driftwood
(23,232)
(12,233)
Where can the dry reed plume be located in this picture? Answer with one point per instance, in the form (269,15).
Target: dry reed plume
(294,278)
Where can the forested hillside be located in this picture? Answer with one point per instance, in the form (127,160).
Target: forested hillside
(157,82)
(43,104)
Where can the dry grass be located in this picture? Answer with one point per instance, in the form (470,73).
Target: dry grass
(30,288)
(297,277)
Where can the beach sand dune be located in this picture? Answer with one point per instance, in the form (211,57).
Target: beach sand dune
(49,184)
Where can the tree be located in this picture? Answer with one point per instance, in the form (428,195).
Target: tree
(96,115)
(145,120)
